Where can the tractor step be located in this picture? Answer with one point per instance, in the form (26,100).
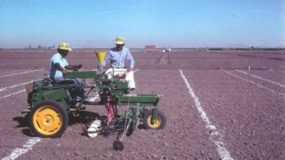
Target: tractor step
(25,111)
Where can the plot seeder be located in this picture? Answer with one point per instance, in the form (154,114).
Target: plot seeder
(51,105)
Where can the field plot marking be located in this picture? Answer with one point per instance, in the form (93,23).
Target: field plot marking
(14,93)
(14,86)
(252,82)
(215,136)
(13,74)
(25,148)
(31,141)
(263,79)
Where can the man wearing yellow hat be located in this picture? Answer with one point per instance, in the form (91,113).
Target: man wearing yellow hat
(58,63)
(120,58)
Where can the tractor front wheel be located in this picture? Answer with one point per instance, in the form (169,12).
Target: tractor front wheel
(159,122)
(48,119)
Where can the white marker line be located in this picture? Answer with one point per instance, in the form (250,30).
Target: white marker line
(257,77)
(14,86)
(215,135)
(252,82)
(13,74)
(14,93)
(25,148)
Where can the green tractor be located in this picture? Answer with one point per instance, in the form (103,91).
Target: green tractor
(50,105)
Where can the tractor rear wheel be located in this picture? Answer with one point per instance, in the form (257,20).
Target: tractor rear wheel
(48,119)
(159,122)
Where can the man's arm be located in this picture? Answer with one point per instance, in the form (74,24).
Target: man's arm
(67,68)
(58,67)
(57,61)
(107,59)
(130,59)
(73,67)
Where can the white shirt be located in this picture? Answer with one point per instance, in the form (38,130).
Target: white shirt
(119,59)
(53,71)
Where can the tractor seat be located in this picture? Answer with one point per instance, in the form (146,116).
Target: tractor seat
(76,82)
(66,82)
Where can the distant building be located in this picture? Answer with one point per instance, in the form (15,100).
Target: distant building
(149,48)
(166,50)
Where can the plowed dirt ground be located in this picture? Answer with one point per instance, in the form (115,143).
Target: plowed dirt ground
(218,104)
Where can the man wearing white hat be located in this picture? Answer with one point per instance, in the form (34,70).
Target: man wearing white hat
(120,58)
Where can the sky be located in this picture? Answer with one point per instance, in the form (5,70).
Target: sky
(164,23)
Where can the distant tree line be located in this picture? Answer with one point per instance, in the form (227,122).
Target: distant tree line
(41,47)
(250,48)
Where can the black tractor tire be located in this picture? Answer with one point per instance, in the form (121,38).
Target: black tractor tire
(48,119)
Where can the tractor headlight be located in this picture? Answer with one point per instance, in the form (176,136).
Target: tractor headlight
(29,87)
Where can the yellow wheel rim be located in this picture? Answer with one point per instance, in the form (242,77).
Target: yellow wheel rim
(156,123)
(47,120)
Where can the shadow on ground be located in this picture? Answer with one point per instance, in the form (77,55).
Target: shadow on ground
(85,117)
(23,124)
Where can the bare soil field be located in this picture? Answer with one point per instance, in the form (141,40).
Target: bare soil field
(218,104)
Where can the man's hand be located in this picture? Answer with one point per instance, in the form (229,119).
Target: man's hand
(129,69)
(64,71)
(79,66)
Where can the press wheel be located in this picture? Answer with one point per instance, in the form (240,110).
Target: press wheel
(159,122)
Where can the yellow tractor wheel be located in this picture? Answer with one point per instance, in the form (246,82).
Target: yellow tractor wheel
(48,119)
(159,122)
